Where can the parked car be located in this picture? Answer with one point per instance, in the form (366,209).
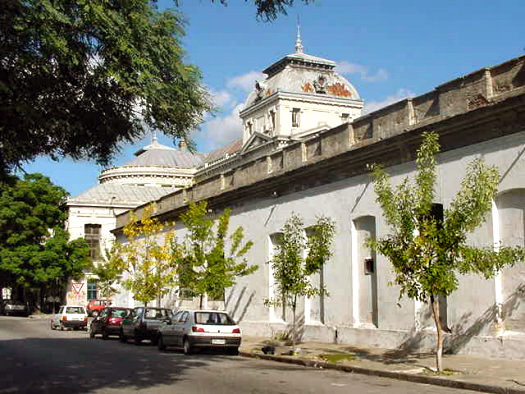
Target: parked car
(191,329)
(108,322)
(143,323)
(12,307)
(95,306)
(69,317)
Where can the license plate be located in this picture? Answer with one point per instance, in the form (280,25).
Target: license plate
(218,341)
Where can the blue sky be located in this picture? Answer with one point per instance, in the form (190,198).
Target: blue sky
(387,49)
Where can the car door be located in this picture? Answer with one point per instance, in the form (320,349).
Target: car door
(100,320)
(127,324)
(168,329)
(137,320)
(180,327)
(56,316)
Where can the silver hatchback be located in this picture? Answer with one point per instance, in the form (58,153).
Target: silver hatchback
(191,329)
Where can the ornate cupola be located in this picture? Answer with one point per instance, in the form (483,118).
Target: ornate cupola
(301,95)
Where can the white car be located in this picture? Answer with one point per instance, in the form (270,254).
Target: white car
(191,329)
(70,316)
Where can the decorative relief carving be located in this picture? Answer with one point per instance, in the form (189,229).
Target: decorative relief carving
(477,101)
(307,88)
(320,84)
(338,89)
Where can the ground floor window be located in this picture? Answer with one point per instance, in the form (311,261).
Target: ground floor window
(92,290)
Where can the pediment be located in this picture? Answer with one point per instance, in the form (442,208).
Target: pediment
(255,140)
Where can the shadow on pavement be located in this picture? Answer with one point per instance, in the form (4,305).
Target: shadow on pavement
(75,365)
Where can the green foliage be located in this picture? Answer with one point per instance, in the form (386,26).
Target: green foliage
(79,77)
(427,254)
(211,260)
(292,269)
(107,273)
(268,10)
(146,260)
(34,246)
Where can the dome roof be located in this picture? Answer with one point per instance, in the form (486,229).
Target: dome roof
(158,155)
(304,74)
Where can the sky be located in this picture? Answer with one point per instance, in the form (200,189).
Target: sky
(388,50)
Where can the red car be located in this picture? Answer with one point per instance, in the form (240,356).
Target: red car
(108,322)
(95,306)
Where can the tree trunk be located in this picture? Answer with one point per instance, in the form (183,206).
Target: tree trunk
(439,346)
(200,302)
(294,307)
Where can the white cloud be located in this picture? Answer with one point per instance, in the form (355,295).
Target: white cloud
(401,94)
(246,81)
(220,131)
(221,97)
(344,67)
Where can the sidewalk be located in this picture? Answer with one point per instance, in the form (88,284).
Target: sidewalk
(461,371)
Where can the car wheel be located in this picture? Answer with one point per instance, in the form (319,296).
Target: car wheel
(160,343)
(104,334)
(53,326)
(187,347)
(136,339)
(62,328)
(234,351)
(122,337)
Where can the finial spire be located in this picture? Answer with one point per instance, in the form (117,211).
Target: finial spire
(154,136)
(298,42)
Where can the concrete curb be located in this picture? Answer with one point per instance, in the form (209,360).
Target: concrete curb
(437,381)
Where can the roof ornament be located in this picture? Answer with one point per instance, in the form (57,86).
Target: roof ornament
(154,137)
(298,42)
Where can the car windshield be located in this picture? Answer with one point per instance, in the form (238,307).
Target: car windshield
(215,318)
(75,309)
(157,314)
(119,312)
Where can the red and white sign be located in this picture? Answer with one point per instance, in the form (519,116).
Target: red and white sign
(77,287)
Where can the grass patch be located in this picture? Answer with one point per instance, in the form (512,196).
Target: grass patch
(335,358)
(445,372)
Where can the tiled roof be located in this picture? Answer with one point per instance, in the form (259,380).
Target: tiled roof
(230,149)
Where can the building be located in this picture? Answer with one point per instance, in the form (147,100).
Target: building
(305,148)
(156,170)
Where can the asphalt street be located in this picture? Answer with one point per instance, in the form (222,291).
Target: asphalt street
(35,359)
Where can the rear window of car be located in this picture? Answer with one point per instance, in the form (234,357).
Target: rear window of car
(157,313)
(119,312)
(213,318)
(75,309)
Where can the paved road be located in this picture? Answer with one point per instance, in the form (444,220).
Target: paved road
(34,359)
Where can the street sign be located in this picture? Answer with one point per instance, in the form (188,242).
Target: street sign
(77,287)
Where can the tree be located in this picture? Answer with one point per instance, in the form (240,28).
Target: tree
(428,253)
(148,263)
(79,77)
(268,10)
(35,250)
(108,273)
(208,266)
(300,253)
